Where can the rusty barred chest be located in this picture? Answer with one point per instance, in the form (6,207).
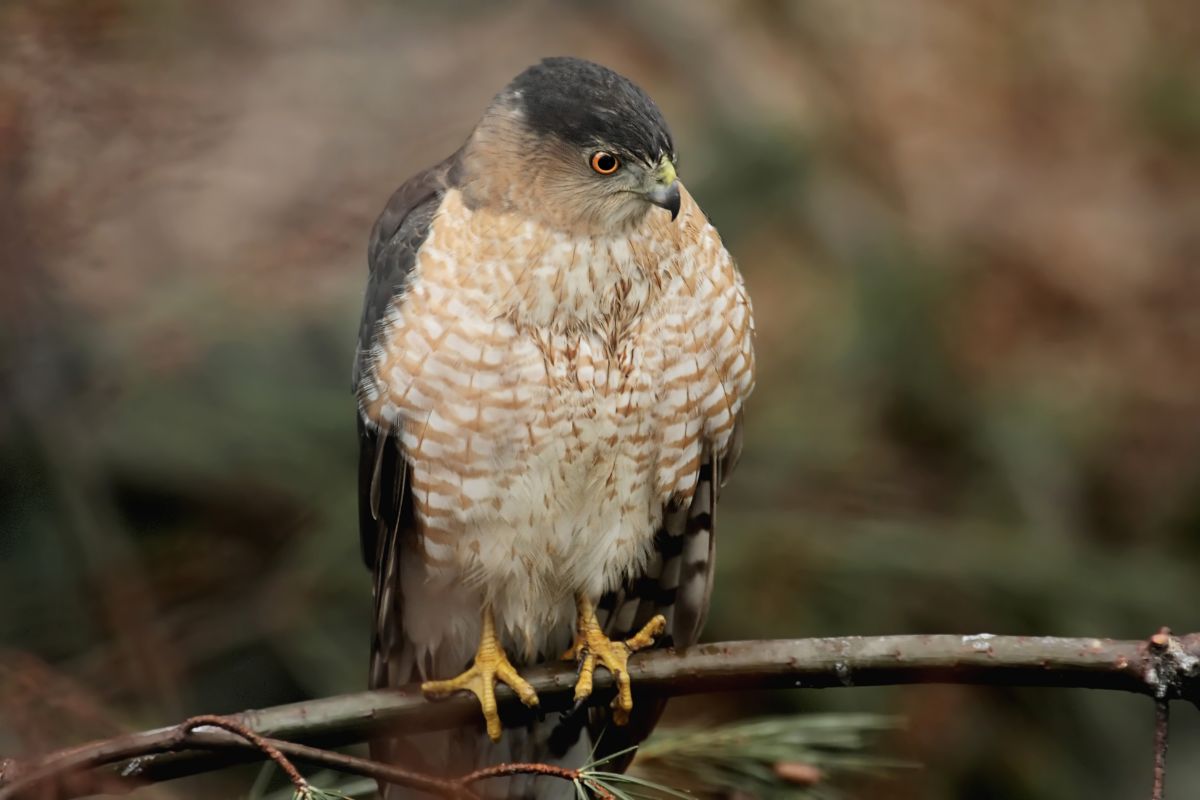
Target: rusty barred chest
(554,391)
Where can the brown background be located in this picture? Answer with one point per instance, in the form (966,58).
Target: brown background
(972,235)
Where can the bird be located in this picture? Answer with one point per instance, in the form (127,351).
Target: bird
(553,361)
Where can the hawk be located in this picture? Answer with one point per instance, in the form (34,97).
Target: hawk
(554,355)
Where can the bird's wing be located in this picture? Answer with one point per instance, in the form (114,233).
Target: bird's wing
(384,499)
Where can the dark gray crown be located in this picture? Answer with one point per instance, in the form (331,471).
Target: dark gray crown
(588,105)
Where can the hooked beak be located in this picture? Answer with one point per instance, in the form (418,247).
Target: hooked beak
(665,192)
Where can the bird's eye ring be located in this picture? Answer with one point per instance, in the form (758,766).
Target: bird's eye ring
(605,163)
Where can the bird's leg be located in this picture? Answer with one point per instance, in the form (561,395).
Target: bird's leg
(490,665)
(592,646)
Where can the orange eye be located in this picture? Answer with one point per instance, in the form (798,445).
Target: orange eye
(605,163)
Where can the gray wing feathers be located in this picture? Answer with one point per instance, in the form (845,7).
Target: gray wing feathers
(692,572)
(396,237)
(387,656)
(386,516)
(395,241)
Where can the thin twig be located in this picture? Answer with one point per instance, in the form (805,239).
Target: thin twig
(281,752)
(1169,670)
(505,770)
(1162,719)
(346,763)
(268,749)
(1164,670)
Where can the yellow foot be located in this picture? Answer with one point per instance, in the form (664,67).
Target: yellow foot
(490,665)
(592,646)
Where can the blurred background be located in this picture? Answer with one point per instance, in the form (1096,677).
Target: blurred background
(971,231)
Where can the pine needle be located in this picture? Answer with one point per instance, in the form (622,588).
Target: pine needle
(776,758)
(313,793)
(334,787)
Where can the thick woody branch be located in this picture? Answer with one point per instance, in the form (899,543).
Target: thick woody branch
(1164,667)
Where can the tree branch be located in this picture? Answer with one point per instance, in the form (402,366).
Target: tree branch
(1165,668)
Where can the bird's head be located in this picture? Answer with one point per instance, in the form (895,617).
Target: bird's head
(574,145)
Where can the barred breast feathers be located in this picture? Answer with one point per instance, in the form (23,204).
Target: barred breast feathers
(483,278)
(500,311)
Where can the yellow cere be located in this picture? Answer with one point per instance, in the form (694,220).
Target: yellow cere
(666,171)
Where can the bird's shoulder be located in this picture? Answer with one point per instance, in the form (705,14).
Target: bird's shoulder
(408,213)
(395,241)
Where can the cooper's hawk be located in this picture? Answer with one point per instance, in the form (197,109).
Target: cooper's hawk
(554,354)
